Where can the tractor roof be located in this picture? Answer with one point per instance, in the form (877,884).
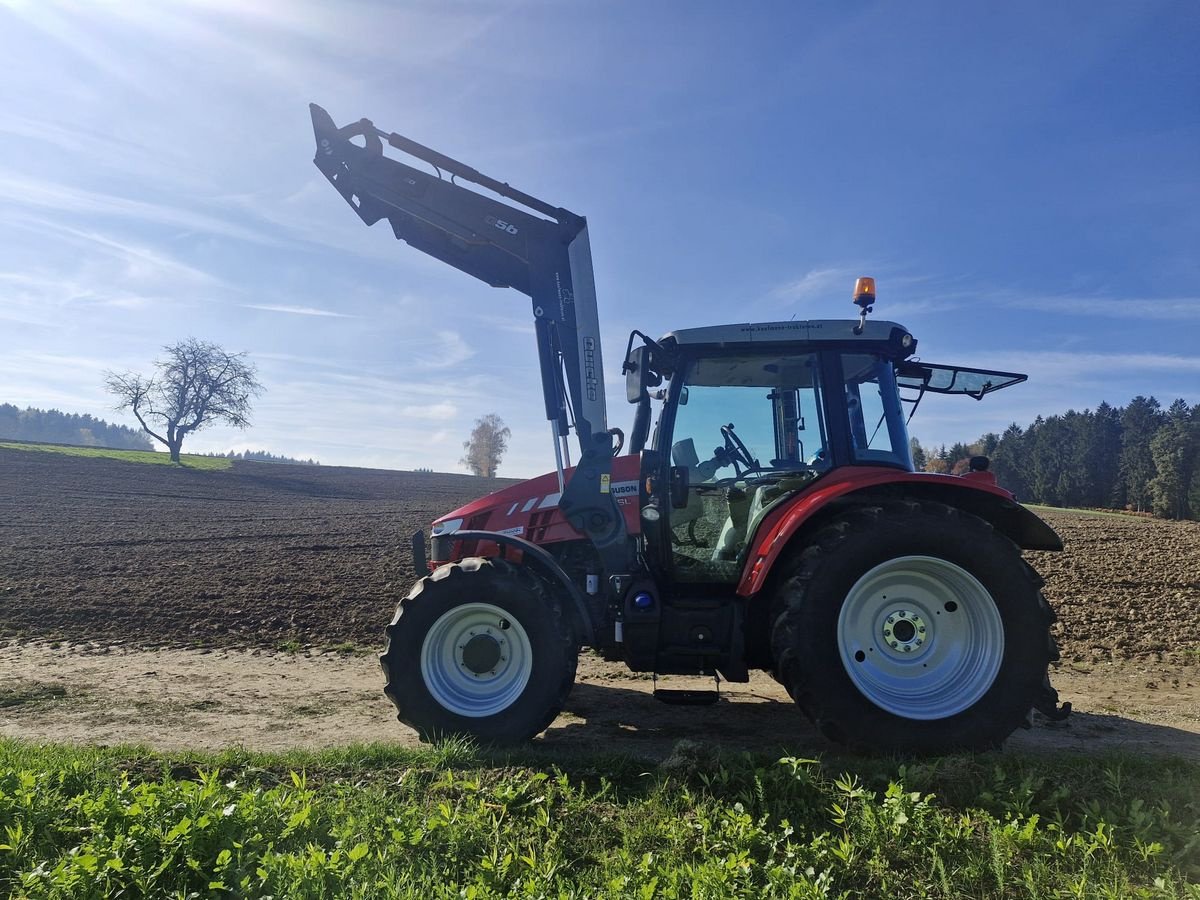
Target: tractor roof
(810,331)
(888,337)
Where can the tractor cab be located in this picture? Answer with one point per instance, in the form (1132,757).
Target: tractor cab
(753,414)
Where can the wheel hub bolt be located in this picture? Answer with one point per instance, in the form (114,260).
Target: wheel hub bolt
(904,630)
(480,655)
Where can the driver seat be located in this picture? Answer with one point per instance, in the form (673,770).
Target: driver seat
(746,513)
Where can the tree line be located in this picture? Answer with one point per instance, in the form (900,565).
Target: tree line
(264,456)
(1138,457)
(51,426)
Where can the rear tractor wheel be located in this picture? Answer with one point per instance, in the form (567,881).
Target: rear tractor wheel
(913,628)
(479,648)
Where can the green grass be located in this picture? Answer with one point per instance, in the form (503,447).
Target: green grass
(35,692)
(1103,513)
(186,460)
(454,821)
(350,648)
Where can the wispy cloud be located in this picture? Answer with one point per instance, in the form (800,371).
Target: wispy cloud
(446,350)
(815,284)
(68,138)
(44,298)
(942,297)
(298,310)
(1059,380)
(904,309)
(1065,365)
(65,28)
(70,382)
(515,324)
(1158,309)
(436,411)
(24,191)
(333,381)
(143,263)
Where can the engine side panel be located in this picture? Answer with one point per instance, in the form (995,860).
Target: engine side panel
(530,510)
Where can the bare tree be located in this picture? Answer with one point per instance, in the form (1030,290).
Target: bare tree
(486,446)
(197,384)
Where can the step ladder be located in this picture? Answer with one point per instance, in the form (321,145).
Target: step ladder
(687,697)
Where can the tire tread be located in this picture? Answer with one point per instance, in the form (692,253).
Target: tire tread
(790,617)
(400,691)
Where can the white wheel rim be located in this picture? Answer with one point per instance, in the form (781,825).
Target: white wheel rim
(476,660)
(920,637)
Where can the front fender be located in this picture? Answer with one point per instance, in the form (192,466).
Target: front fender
(533,556)
(854,485)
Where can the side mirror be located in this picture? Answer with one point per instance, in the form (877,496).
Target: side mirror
(679,487)
(637,374)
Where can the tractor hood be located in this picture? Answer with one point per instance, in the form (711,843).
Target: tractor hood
(530,509)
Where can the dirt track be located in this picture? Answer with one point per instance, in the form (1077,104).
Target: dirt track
(179,699)
(111,559)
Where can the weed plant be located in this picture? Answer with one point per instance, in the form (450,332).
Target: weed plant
(455,821)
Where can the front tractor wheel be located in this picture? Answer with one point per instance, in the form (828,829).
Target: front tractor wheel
(913,628)
(479,648)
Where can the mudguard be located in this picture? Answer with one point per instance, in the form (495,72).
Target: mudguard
(982,498)
(537,559)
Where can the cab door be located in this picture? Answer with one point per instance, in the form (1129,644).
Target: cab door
(745,427)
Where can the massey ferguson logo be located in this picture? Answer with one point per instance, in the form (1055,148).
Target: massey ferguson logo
(624,489)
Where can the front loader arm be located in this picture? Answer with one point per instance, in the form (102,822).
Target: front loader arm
(548,259)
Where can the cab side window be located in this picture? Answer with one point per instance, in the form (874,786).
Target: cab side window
(873,408)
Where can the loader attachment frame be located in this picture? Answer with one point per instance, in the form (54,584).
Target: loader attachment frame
(545,256)
(548,259)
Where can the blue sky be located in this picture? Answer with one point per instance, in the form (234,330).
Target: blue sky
(1023,181)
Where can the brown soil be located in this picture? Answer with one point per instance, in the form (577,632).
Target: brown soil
(1125,587)
(113,574)
(97,550)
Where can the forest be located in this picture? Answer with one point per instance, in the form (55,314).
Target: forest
(264,456)
(50,426)
(1139,457)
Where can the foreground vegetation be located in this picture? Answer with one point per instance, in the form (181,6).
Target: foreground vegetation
(453,822)
(150,457)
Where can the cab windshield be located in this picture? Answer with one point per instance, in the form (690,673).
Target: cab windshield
(749,416)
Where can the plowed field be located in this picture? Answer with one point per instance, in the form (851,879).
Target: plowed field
(96,550)
(112,574)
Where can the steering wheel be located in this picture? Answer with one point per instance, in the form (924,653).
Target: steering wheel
(737,452)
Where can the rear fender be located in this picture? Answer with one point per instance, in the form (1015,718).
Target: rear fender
(787,525)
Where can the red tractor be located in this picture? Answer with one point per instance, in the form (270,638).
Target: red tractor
(893,605)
